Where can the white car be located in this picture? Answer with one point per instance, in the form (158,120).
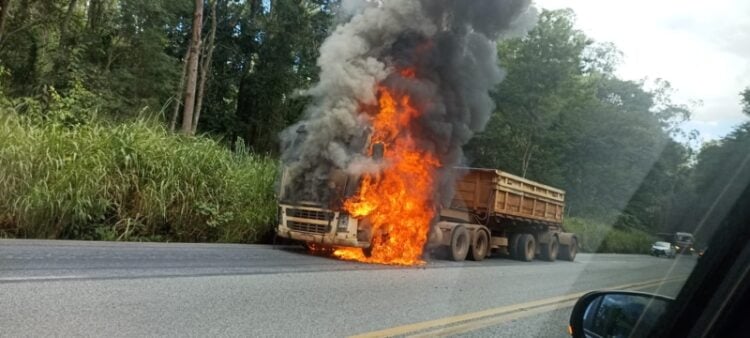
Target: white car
(663,249)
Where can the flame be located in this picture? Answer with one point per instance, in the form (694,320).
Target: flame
(398,200)
(408,73)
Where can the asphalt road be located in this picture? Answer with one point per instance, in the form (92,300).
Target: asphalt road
(65,288)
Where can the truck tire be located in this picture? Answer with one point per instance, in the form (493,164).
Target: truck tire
(513,246)
(568,252)
(550,249)
(367,251)
(527,247)
(460,243)
(480,246)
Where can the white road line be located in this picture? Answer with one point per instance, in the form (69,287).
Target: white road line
(39,278)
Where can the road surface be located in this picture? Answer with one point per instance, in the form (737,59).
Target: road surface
(68,288)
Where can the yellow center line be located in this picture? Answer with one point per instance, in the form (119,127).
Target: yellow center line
(431,324)
(496,320)
(493,321)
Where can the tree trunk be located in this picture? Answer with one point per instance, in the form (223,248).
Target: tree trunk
(205,67)
(4,7)
(192,70)
(178,94)
(64,24)
(94,15)
(61,62)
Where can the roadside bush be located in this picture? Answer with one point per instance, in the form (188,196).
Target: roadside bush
(599,237)
(129,181)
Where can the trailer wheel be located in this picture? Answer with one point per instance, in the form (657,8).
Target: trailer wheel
(549,250)
(459,243)
(527,247)
(480,246)
(513,246)
(568,252)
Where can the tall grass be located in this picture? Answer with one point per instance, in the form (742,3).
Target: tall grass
(599,237)
(129,181)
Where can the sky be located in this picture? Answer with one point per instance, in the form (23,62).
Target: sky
(701,47)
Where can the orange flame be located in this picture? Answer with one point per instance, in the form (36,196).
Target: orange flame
(397,202)
(408,73)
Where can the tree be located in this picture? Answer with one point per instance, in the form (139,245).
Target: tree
(96,14)
(131,53)
(541,67)
(192,70)
(283,62)
(205,66)
(4,9)
(66,21)
(177,104)
(721,173)
(140,56)
(564,118)
(652,207)
(124,50)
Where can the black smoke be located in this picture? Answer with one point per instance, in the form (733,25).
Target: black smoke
(450,44)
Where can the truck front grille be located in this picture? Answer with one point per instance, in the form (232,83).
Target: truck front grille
(309,227)
(310,214)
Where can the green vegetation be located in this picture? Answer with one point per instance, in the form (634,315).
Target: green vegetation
(131,52)
(128,181)
(600,237)
(80,160)
(715,182)
(565,119)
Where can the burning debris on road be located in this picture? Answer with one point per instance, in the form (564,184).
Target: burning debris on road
(414,78)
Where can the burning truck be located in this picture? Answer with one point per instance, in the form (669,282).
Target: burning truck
(373,171)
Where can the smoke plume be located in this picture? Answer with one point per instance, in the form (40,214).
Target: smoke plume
(450,47)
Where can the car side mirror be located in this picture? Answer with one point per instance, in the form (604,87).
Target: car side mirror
(617,314)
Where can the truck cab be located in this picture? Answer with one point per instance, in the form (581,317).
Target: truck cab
(325,223)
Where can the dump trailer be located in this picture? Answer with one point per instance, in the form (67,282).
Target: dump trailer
(491,211)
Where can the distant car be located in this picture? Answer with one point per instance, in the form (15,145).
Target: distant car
(683,242)
(663,249)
